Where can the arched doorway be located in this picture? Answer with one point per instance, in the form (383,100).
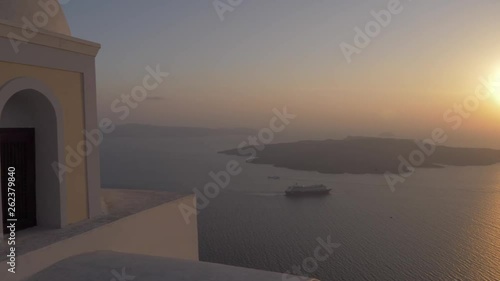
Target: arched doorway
(30,144)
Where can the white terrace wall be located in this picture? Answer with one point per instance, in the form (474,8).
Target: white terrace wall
(160,231)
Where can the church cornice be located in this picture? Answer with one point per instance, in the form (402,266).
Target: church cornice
(18,36)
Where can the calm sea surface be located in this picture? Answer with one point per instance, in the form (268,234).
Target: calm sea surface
(442,224)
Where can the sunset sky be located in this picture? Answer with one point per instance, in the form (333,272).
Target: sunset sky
(268,54)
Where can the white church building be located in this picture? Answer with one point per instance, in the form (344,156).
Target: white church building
(47,103)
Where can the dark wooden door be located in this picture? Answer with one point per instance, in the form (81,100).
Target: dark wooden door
(17,153)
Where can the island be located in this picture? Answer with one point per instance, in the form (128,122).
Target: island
(364,155)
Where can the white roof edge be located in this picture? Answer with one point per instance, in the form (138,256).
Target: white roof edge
(85,43)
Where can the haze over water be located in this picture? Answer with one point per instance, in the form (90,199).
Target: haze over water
(441,224)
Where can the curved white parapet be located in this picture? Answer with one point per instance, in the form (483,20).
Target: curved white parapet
(118,266)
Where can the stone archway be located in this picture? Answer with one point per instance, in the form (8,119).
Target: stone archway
(26,103)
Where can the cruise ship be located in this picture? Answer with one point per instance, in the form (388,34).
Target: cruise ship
(301,190)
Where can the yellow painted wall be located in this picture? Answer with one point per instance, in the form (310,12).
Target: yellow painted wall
(68,88)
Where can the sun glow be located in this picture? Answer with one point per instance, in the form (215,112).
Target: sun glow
(495,85)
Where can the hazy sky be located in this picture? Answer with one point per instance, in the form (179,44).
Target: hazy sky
(272,53)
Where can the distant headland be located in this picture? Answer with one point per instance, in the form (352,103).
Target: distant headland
(364,155)
(142,130)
